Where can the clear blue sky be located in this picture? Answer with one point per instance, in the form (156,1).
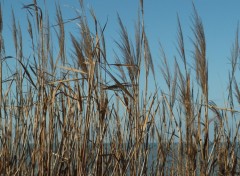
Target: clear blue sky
(220,19)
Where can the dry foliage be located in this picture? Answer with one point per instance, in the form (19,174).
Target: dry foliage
(81,114)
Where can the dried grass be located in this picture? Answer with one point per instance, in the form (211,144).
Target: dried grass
(59,118)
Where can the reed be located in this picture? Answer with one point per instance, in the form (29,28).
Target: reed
(73,111)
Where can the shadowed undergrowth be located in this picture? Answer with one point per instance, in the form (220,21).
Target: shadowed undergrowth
(74,111)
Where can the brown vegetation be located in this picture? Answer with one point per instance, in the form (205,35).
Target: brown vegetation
(83,118)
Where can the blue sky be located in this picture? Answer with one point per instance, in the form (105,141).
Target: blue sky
(220,19)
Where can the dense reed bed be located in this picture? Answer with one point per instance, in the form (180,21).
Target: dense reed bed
(77,112)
